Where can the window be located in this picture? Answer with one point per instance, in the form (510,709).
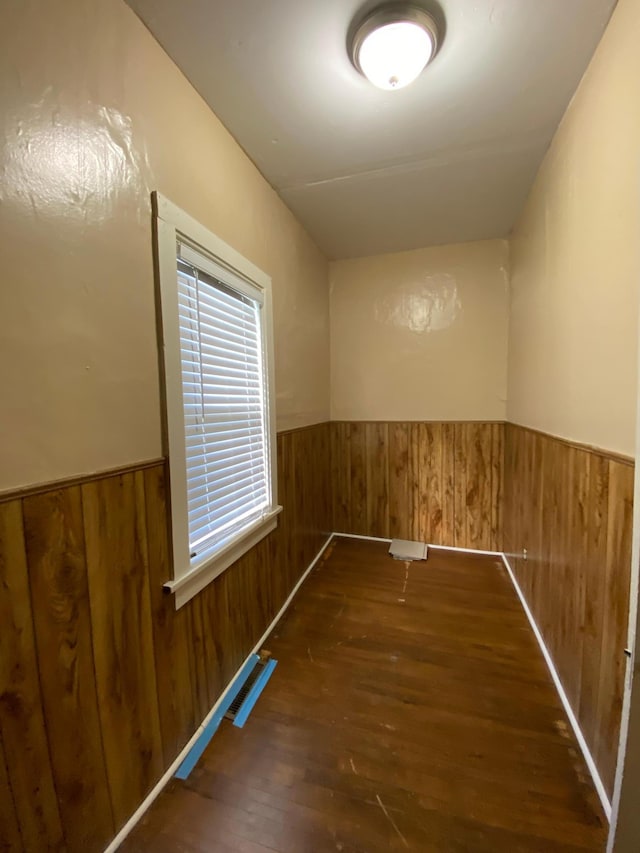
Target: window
(216,342)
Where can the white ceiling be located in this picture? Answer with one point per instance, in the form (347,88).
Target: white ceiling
(448,159)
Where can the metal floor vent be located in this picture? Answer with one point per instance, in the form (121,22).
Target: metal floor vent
(238,702)
(246,693)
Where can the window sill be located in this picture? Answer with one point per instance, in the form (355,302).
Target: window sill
(192,582)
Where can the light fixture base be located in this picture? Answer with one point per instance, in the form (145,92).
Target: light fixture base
(380,30)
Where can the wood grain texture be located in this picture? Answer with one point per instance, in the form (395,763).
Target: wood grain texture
(9,829)
(22,721)
(437,482)
(82,590)
(179,713)
(117,566)
(571,507)
(102,681)
(456,741)
(616,611)
(55,551)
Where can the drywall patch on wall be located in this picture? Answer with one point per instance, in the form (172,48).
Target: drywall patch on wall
(421,335)
(428,304)
(575,260)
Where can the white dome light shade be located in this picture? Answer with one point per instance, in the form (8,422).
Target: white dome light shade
(393,45)
(394,55)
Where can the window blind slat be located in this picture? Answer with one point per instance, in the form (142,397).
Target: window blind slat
(210,325)
(221,504)
(199,480)
(221,344)
(197,492)
(223,399)
(225,531)
(221,448)
(230,509)
(216,431)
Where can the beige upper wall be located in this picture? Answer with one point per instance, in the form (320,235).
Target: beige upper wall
(420,335)
(94,117)
(575,260)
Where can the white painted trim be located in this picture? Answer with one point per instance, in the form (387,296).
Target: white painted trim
(225,254)
(597,781)
(155,791)
(466,550)
(191,583)
(170,223)
(429,545)
(357,536)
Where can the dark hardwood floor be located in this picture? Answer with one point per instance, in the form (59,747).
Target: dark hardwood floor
(411,709)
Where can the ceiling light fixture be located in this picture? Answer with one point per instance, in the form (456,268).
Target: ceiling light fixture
(393,45)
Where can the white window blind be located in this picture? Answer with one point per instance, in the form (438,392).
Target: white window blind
(216,335)
(225,417)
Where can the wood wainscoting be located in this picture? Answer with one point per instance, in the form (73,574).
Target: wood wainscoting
(102,682)
(438,482)
(571,507)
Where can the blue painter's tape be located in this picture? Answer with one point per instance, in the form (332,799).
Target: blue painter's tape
(252,696)
(210,729)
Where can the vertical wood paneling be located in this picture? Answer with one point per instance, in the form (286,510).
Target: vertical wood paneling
(9,830)
(358,478)
(400,508)
(179,715)
(283,534)
(435,482)
(576,559)
(460,464)
(415,456)
(594,594)
(300,507)
(117,564)
(616,611)
(448,491)
(157,671)
(377,478)
(340,476)
(203,696)
(216,628)
(496,460)
(477,449)
(571,508)
(22,722)
(428,503)
(102,681)
(244,612)
(57,572)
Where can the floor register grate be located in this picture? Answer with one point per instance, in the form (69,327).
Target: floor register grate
(239,699)
(238,702)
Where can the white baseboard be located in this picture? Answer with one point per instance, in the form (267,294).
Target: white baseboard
(358,536)
(597,781)
(435,547)
(466,550)
(155,791)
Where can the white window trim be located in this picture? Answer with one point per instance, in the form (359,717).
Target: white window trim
(170,223)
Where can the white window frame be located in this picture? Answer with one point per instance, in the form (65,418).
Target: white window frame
(191,575)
